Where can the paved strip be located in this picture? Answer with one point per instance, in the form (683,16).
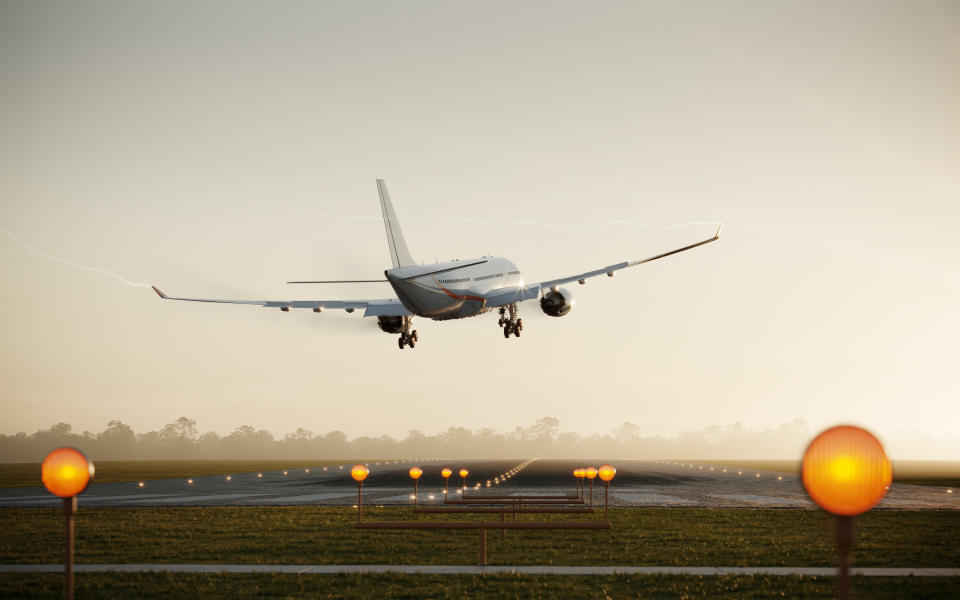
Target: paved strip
(476,570)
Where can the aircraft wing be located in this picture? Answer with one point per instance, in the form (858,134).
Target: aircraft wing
(385,307)
(501,298)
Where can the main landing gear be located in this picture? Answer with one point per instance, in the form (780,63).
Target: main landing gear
(511,324)
(408,337)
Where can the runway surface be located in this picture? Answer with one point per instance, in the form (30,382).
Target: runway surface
(637,483)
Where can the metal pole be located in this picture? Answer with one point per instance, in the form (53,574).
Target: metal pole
(845,534)
(415,494)
(606,502)
(69,510)
(360,501)
(483,547)
(591,493)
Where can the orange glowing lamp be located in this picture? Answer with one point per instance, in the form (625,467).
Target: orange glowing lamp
(446,473)
(359,473)
(464,472)
(845,470)
(606,472)
(416,473)
(591,472)
(66,472)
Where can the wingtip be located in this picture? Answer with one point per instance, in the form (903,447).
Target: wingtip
(159,293)
(716,236)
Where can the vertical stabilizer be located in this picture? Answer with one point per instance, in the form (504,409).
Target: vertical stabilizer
(399,253)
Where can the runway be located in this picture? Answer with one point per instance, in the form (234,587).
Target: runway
(641,483)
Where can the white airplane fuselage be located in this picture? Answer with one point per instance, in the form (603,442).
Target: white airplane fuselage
(454,289)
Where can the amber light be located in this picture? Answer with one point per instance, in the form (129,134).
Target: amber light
(845,470)
(606,472)
(416,472)
(446,473)
(591,472)
(66,472)
(359,472)
(464,472)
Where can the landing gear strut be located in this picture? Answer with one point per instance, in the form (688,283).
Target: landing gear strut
(408,337)
(511,324)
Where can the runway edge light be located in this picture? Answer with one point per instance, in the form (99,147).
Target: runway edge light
(846,472)
(66,472)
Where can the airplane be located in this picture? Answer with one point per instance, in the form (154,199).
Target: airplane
(454,289)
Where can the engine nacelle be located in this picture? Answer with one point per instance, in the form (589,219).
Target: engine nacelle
(557,302)
(390,324)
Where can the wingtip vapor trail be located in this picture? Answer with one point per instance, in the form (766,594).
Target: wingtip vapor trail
(70,263)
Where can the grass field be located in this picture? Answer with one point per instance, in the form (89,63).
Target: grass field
(164,585)
(112,471)
(325,535)
(945,473)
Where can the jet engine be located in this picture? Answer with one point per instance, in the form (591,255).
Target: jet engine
(557,302)
(390,324)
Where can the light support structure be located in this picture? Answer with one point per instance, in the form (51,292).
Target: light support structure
(66,472)
(846,472)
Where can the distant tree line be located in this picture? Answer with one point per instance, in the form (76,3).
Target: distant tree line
(182,440)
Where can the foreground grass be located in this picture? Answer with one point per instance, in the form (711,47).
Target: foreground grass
(942,473)
(166,585)
(113,471)
(326,535)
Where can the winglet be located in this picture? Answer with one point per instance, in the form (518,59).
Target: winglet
(716,236)
(159,293)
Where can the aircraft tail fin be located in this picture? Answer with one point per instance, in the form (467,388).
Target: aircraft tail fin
(399,253)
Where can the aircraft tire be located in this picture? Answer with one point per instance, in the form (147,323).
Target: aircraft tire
(401,342)
(506,332)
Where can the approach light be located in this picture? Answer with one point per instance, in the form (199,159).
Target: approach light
(306,470)
(845,470)
(259,475)
(464,472)
(284,472)
(229,478)
(591,472)
(416,473)
(606,472)
(779,477)
(359,472)
(189,482)
(446,473)
(66,472)
(140,484)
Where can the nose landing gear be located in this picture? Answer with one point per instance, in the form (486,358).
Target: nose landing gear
(511,324)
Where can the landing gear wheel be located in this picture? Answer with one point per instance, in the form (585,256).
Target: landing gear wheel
(519,325)
(402,342)
(414,337)
(516,331)
(506,331)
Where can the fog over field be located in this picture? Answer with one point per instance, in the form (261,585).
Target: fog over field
(183,439)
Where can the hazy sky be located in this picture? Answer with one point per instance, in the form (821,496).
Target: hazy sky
(222,148)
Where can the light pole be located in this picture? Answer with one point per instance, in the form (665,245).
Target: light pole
(415,474)
(606,473)
(463,480)
(846,472)
(590,473)
(359,473)
(66,472)
(446,473)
